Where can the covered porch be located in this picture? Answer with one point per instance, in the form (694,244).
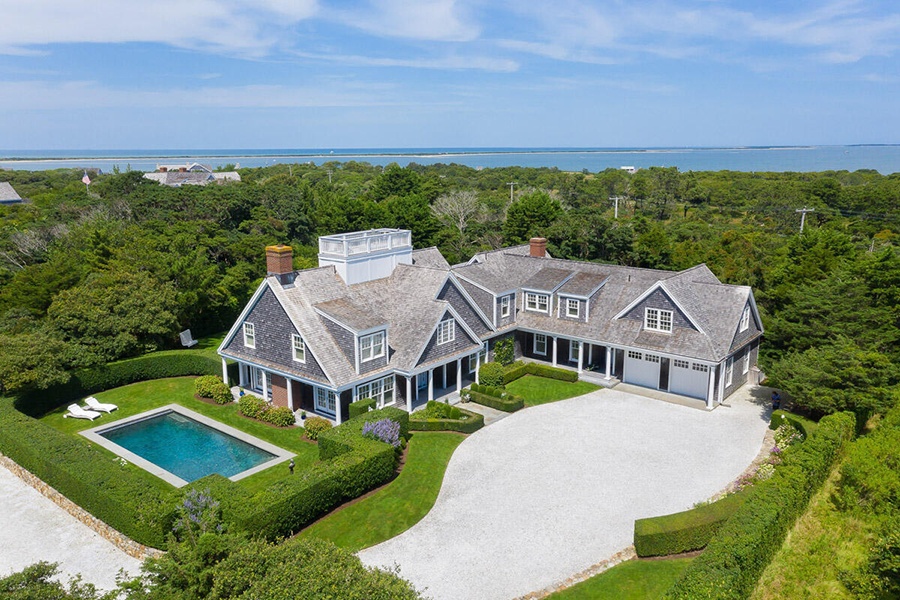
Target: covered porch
(442,382)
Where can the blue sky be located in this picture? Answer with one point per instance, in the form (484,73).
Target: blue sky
(447,73)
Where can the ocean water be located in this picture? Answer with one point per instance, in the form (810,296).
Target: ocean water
(882,158)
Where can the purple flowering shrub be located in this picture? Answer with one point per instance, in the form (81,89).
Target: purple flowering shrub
(383,430)
(198,513)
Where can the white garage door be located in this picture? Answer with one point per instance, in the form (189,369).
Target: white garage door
(642,369)
(688,379)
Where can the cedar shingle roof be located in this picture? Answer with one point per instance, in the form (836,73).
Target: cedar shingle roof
(8,194)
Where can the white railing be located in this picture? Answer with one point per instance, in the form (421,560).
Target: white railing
(362,242)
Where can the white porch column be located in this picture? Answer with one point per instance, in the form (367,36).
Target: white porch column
(590,354)
(430,385)
(722,381)
(409,398)
(337,408)
(290,387)
(242,374)
(265,384)
(458,374)
(711,391)
(225,371)
(608,362)
(444,376)
(477,368)
(554,349)
(580,357)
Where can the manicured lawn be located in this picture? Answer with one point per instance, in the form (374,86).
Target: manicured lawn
(633,580)
(146,395)
(540,390)
(399,505)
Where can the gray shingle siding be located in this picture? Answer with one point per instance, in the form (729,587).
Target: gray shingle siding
(483,299)
(463,308)
(742,337)
(376,363)
(345,339)
(513,306)
(433,351)
(273,329)
(563,303)
(658,299)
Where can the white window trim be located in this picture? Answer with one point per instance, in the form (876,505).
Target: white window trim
(654,317)
(538,300)
(380,390)
(367,343)
(326,400)
(298,350)
(543,337)
(729,371)
(446,332)
(249,335)
(746,366)
(570,302)
(474,358)
(745,319)
(504,307)
(574,350)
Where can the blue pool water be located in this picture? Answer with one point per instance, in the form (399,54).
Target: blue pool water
(186,448)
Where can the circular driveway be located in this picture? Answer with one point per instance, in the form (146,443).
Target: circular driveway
(552,490)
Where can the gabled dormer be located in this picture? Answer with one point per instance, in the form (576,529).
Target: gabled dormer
(462,302)
(573,298)
(658,311)
(749,326)
(538,292)
(449,336)
(361,335)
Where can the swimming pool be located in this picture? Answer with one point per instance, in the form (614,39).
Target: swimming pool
(181,446)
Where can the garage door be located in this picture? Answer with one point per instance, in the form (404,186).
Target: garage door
(688,379)
(642,369)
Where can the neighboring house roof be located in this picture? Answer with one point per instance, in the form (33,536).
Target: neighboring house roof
(176,178)
(8,195)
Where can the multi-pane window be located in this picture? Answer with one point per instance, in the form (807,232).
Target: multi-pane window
(745,319)
(681,364)
(634,354)
(249,335)
(326,400)
(540,344)
(574,350)
(538,302)
(746,366)
(371,346)
(657,319)
(474,358)
(298,347)
(572,307)
(504,306)
(700,368)
(729,371)
(381,390)
(651,358)
(446,331)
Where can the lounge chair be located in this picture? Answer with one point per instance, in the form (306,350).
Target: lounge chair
(187,339)
(94,404)
(76,412)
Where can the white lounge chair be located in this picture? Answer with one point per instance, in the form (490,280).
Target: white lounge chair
(187,339)
(94,404)
(76,412)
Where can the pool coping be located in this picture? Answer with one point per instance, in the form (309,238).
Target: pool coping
(93,434)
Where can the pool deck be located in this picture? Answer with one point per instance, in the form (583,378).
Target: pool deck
(95,435)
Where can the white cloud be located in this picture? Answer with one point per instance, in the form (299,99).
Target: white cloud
(450,62)
(435,20)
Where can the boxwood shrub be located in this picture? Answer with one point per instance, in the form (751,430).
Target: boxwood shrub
(514,371)
(491,373)
(438,416)
(496,392)
(508,403)
(551,372)
(361,407)
(737,555)
(315,426)
(684,531)
(281,416)
(111,491)
(252,406)
(212,387)
(84,382)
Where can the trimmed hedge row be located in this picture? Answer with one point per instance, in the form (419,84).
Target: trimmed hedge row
(520,370)
(735,558)
(158,365)
(471,423)
(685,531)
(361,407)
(779,417)
(89,477)
(509,403)
(341,439)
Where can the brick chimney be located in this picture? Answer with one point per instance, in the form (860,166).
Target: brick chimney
(163,169)
(538,247)
(279,260)
(182,169)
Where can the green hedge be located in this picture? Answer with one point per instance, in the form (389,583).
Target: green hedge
(452,418)
(684,531)
(88,476)
(213,388)
(491,373)
(361,407)
(735,558)
(514,372)
(84,382)
(490,390)
(518,370)
(341,439)
(509,403)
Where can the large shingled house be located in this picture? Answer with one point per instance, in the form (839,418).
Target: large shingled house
(380,320)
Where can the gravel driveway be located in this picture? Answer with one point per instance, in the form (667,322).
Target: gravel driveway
(34,528)
(552,490)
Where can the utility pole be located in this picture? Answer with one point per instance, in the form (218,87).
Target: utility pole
(616,199)
(511,184)
(329,175)
(803,212)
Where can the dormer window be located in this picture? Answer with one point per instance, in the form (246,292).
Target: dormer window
(446,331)
(249,335)
(298,347)
(572,308)
(371,346)
(657,319)
(745,319)
(504,307)
(537,302)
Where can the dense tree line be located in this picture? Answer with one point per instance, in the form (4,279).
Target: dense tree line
(88,276)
